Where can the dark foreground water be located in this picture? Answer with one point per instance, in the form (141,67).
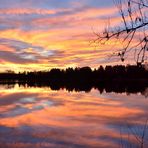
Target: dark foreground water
(43,118)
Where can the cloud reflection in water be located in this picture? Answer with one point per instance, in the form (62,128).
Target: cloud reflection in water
(37,117)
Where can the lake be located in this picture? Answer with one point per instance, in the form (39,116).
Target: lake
(33,117)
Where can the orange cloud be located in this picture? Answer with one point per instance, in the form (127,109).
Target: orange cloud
(23,11)
(69,35)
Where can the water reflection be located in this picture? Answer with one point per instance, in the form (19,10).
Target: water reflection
(41,117)
(127,87)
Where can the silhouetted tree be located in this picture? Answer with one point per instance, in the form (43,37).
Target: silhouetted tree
(134,27)
(119,78)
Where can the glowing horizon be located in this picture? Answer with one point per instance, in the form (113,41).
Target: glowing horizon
(46,34)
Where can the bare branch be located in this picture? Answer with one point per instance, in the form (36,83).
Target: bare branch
(135,20)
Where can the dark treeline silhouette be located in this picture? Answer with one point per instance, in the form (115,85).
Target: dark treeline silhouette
(119,78)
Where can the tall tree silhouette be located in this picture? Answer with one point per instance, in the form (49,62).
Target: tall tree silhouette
(132,32)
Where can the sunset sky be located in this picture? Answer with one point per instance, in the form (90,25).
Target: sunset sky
(42,34)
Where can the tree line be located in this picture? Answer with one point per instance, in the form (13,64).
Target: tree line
(118,72)
(119,79)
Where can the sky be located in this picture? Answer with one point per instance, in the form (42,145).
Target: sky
(44,34)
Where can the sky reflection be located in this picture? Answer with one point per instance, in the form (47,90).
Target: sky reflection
(37,117)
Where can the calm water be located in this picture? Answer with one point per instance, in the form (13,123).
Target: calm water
(43,118)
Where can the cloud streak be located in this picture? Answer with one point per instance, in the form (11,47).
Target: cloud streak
(52,33)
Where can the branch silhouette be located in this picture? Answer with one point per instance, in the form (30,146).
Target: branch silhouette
(134,18)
